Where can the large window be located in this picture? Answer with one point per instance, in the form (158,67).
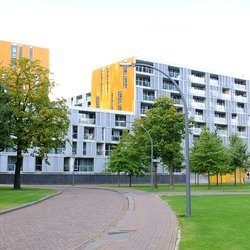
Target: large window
(89,133)
(84,164)
(39,163)
(13,53)
(74,132)
(125,77)
(119,100)
(120,120)
(11,163)
(66,165)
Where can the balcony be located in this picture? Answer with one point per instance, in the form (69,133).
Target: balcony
(222,132)
(150,98)
(226,96)
(240,110)
(174,74)
(199,118)
(240,86)
(89,136)
(220,120)
(116,137)
(214,82)
(200,105)
(199,92)
(144,69)
(220,108)
(196,130)
(144,83)
(86,120)
(242,133)
(197,79)
(120,123)
(234,121)
(240,98)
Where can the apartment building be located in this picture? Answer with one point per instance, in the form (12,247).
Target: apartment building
(119,95)
(217,101)
(10,51)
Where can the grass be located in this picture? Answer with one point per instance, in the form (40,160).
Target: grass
(10,198)
(217,222)
(182,187)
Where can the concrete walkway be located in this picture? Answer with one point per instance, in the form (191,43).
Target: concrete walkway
(85,218)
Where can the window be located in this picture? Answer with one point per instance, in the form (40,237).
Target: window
(84,164)
(66,164)
(173,72)
(125,77)
(120,120)
(11,163)
(103,134)
(100,149)
(74,148)
(108,148)
(98,101)
(119,100)
(84,148)
(107,79)
(13,53)
(116,134)
(168,85)
(74,132)
(101,80)
(89,133)
(38,166)
(31,53)
(143,80)
(21,51)
(87,117)
(112,100)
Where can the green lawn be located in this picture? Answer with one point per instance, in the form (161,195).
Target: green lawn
(218,222)
(182,187)
(10,198)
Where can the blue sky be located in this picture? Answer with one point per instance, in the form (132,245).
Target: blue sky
(83,35)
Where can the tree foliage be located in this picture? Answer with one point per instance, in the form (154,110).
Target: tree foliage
(5,119)
(238,155)
(209,155)
(167,128)
(127,158)
(37,122)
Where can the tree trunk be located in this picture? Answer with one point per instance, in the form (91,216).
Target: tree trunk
(155,176)
(171,181)
(17,177)
(221,179)
(217,179)
(195,175)
(118,175)
(208,180)
(198,179)
(130,180)
(235,175)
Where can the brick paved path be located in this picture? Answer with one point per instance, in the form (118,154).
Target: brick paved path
(82,218)
(65,221)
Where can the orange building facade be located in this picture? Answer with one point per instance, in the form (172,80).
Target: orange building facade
(10,51)
(113,87)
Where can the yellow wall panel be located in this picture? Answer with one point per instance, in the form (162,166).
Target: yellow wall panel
(108,81)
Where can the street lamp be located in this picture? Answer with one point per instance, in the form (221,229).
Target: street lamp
(188,197)
(72,164)
(151,155)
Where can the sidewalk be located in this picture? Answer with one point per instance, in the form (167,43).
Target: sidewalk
(86,218)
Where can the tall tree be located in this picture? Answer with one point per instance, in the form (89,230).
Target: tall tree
(208,154)
(5,118)
(238,155)
(128,158)
(37,122)
(166,126)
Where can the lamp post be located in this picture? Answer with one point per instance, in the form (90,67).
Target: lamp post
(188,196)
(151,155)
(73,164)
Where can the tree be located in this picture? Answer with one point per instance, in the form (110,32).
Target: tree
(167,128)
(5,118)
(37,122)
(238,156)
(208,154)
(127,158)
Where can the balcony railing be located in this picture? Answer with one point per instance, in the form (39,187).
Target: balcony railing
(197,79)
(120,123)
(87,120)
(178,101)
(220,107)
(116,137)
(199,118)
(174,74)
(242,133)
(196,130)
(214,82)
(222,132)
(170,87)
(240,110)
(144,83)
(240,86)
(150,98)
(198,104)
(89,137)
(144,69)
(240,98)
(220,120)
(198,92)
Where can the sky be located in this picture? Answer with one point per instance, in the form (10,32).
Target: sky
(83,35)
